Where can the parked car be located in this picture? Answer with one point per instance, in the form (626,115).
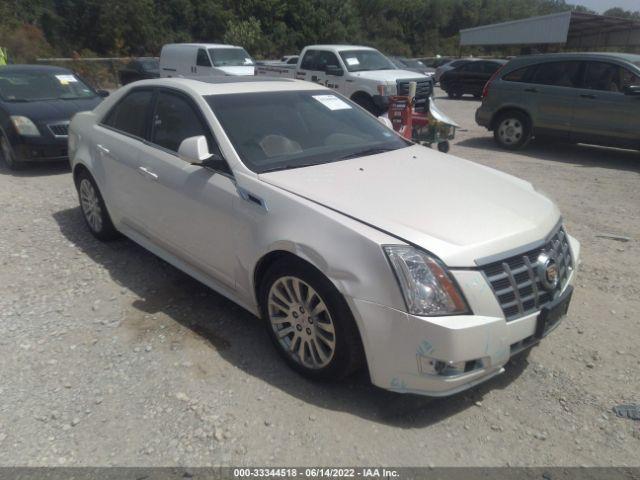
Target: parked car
(204,60)
(362,74)
(412,65)
(469,78)
(354,245)
(435,62)
(454,63)
(36,104)
(290,59)
(141,68)
(580,97)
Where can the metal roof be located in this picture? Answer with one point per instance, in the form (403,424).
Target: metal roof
(575,29)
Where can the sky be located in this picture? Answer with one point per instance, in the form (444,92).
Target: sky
(602,5)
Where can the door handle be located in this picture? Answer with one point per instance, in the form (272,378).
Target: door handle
(145,171)
(587,95)
(102,148)
(532,90)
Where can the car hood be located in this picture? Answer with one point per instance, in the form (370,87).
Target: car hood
(47,110)
(389,75)
(459,210)
(240,70)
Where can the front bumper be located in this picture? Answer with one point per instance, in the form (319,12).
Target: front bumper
(37,149)
(401,349)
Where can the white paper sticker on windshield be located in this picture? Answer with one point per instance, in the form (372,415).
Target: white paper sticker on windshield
(248,61)
(66,79)
(352,61)
(332,102)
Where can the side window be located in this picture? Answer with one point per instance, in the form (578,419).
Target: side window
(202,60)
(130,114)
(174,120)
(324,59)
(607,77)
(519,75)
(490,67)
(309,60)
(559,74)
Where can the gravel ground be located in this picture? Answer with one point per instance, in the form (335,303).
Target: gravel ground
(112,357)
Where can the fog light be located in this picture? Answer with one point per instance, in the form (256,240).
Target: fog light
(433,366)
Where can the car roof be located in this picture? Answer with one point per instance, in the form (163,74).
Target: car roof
(340,48)
(231,84)
(629,57)
(34,68)
(202,45)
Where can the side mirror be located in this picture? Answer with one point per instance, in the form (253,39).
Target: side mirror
(194,150)
(103,93)
(632,90)
(334,70)
(386,122)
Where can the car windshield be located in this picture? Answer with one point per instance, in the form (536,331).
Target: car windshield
(363,60)
(281,130)
(230,57)
(413,63)
(34,86)
(150,65)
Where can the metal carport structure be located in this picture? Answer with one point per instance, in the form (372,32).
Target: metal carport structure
(574,30)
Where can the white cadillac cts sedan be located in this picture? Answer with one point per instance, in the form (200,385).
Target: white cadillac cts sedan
(355,246)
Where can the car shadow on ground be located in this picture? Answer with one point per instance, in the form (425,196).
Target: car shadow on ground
(36,169)
(577,154)
(240,339)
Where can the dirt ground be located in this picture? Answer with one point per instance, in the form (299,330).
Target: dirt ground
(109,356)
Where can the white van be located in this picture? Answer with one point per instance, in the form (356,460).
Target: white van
(197,60)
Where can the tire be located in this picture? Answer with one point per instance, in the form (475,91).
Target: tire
(512,130)
(366,102)
(443,147)
(8,155)
(457,93)
(325,355)
(94,211)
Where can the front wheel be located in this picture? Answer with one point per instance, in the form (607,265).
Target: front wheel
(443,147)
(93,208)
(8,155)
(512,130)
(309,321)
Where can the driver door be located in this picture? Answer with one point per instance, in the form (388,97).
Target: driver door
(193,205)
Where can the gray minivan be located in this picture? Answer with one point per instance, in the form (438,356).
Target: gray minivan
(576,97)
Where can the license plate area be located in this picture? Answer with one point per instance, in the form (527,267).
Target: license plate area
(551,314)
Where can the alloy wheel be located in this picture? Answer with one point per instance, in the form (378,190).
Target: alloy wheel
(90,205)
(301,322)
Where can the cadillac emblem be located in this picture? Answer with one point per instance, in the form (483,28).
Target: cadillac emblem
(548,271)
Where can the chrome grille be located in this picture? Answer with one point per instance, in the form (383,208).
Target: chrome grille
(516,282)
(424,89)
(59,129)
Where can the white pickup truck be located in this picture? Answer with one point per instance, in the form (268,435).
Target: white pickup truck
(362,74)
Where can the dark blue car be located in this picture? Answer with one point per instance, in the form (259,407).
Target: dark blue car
(36,105)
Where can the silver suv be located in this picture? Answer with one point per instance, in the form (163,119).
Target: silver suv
(580,97)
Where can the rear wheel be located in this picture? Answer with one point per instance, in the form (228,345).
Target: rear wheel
(309,321)
(512,130)
(93,208)
(8,155)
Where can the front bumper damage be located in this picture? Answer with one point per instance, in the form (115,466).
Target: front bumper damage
(441,356)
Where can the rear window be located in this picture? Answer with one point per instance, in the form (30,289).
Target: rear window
(558,74)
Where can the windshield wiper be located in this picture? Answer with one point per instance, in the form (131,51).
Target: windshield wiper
(288,166)
(368,151)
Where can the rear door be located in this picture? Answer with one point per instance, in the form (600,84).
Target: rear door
(310,67)
(602,111)
(120,139)
(551,93)
(192,205)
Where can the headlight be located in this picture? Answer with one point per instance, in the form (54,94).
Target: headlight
(388,90)
(427,288)
(24,126)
